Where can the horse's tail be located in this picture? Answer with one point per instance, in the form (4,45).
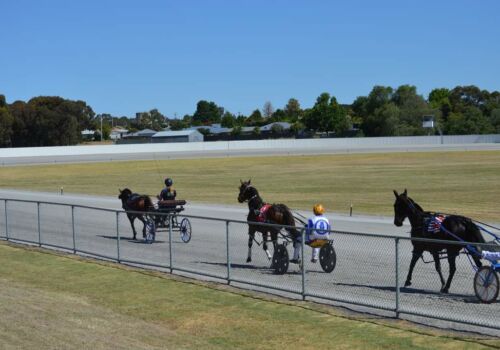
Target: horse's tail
(148,203)
(473,232)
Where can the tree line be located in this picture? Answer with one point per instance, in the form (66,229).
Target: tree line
(385,111)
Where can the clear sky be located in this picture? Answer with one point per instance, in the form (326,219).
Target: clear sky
(124,56)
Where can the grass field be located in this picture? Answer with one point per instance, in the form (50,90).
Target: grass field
(50,300)
(454,182)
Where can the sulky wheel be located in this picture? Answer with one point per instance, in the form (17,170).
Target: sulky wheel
(185,230)
(486,284)
(327,258)
(280,259)
(150,231)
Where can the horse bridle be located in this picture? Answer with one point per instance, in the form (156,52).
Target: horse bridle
(245,191)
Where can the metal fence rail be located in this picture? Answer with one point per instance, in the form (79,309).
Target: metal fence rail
(370,269)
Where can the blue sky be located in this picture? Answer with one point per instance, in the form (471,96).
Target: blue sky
(124,56)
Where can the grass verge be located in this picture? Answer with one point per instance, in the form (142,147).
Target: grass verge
(453,182)
(50,300)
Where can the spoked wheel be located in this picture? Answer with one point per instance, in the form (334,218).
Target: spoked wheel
(486,284)
(280,259)
(327,258)
(185,230)
(150,231)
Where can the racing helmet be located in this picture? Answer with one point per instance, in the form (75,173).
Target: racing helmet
(169,182)
(318,209)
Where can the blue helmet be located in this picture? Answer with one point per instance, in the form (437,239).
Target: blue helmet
(169,182)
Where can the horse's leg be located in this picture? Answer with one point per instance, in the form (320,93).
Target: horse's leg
(265,238)
(251,235)
(417,253)
(453,267)
(437,264)
(144,225)
(131,218)
(477,260)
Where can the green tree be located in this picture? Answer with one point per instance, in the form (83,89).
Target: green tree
(152,120)
(6,123)
(254,119)
(440,99)
(495,120)
(228,120)
(292,110)
(277,130)
(471,121)
(256,131)
(236,131)
(383,122)
(327,115)
(207,113)
(412,108)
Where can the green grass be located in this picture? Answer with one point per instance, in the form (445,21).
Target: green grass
(50,301)
(461,182)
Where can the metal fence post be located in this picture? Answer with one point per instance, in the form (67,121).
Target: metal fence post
(228,257)
(170,221)
(73,227)
(303,264)
(118,236)
(6,222)
(39,226)
(397,276)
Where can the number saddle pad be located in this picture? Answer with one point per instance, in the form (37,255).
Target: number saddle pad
(432,224)
(262,217)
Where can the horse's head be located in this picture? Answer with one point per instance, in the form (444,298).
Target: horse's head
(247,191)
(125,194)
(401,207)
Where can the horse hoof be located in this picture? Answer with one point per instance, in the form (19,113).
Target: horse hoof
(407,283)
(249,260)
(444,290)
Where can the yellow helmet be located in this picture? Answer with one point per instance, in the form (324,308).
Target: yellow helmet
(318,209)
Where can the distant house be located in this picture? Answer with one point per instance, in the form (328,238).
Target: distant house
(284,125)
(177,136)
(117,133)
(142,136)
(88,134)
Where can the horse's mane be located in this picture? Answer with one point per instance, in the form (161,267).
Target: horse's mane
(415,204)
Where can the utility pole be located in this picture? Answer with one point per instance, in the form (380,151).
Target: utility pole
(101,127)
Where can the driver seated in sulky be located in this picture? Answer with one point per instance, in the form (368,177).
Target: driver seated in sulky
(168,193)
(317,232)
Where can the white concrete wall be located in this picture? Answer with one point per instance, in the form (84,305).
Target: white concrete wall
(335,143)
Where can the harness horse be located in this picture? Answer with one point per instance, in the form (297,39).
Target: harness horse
(271,213)
(262,214)
(137,206)
(451,228)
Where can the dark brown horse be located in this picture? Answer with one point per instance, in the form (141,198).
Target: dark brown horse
(447,228)
(132,203)
(275,213)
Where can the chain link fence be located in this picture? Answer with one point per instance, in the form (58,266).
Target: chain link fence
(370,270)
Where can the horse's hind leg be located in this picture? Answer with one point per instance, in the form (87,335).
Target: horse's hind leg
(131,218)
(251,235)
(437,264)
(453,267)
(417,253)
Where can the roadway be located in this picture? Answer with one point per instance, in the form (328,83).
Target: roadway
(365,270)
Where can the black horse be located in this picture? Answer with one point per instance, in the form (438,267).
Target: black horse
(136,203)
(275,213)
(435,226)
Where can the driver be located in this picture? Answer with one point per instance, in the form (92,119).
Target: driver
(168,193)
(491,255)
(317,229)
